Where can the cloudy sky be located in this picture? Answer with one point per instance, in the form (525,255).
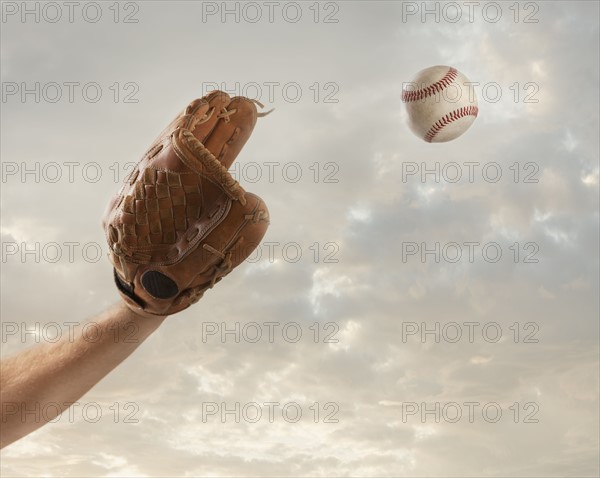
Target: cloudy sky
(397,348)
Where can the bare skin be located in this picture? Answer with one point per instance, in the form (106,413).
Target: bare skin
(62,372)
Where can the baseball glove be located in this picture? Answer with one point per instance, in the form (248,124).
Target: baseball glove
(181,222)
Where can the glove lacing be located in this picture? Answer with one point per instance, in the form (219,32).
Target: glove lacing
(222,268)
(225,113)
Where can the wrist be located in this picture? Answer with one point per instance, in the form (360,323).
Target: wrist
(140,317)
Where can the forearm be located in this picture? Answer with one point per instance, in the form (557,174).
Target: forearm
(63,372)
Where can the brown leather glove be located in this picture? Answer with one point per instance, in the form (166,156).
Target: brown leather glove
(181,223)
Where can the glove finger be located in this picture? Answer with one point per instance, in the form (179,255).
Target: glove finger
(232,130)
(216,102)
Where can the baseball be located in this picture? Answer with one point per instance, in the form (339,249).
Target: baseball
(441,104)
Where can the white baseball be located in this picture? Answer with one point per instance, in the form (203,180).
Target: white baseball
(440,103)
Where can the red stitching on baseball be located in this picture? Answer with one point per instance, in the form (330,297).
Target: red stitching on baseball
(449,118)
(408,96)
